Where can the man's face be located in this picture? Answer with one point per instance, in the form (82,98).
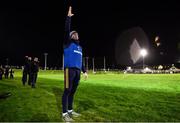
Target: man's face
(29,58)
(36,59)
(75,36)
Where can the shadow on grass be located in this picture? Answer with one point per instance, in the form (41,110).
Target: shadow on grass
(85,104)
(58,94)
(7,84)
(39,117)
(4,95)
(118,104)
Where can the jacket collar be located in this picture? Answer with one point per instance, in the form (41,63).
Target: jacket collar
(75,41)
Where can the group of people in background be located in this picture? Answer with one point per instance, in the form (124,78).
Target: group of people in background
(30,71)
(7,71)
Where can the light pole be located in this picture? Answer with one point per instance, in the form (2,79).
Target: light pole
(87,63)
(104,64)
(63,62)
(143,53)
(93,65)
(45,61)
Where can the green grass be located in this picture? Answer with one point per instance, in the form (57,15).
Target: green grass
(103,97)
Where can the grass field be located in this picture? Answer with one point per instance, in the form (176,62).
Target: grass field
(103,97)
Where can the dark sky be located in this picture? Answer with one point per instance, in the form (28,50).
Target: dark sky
(34,27)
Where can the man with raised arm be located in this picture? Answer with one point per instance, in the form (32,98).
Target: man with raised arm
(72,69)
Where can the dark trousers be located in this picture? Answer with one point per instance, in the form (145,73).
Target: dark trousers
(11,76)
(6,75)
(71,81)
(24,77)
(30,78)
(34,78)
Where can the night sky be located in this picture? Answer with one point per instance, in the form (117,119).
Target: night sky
(35,27)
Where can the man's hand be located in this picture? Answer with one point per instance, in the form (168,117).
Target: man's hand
(85,75)
(70,14)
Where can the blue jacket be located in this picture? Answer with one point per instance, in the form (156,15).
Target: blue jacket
(72,50)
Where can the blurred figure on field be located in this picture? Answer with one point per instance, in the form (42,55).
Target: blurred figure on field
(29,66)
(11,73)
(34,71)
(1,72)
(25,70)
(6,74)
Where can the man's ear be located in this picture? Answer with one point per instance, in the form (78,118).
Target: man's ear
(72,36)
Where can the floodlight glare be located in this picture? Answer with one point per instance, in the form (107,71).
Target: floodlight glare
(143,52)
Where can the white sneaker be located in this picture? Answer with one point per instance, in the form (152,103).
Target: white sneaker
(74,114)
(66,118)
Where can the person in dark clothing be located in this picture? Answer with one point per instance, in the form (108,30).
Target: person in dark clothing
(1,72)
(11,73)
(6,74)
(72,69)
(34,71)
(29,66)
(25,70)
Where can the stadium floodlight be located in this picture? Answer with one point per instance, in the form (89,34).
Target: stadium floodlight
(143,53)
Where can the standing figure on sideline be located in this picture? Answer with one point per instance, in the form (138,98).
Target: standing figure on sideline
(11,73)
(34,71)
(1,72)
(72,69)
(29,66)
(6,74)
(25,70)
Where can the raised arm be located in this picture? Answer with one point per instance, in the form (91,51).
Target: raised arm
(68,26)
